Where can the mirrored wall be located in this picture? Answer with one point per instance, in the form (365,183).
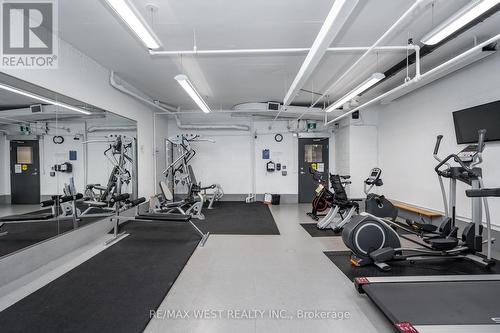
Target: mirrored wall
(61,161)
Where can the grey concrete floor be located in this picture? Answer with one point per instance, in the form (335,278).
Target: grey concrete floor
(287,273)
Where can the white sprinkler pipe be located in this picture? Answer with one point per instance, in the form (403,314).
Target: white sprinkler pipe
(180,125)
(297,50)
(163,107)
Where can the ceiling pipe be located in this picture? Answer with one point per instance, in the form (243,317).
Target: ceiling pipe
(427,49)
(180,125)
(335,20)
(110,128)
(155,104)
(481,54)
(429,73)
(5,132)
(418,4)
(300,50)
(417,73)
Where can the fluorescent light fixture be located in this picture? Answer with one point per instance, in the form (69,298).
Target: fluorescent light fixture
(459,20)
(183,80)
(338,15)
(43,99)
(358,90)
(131,16)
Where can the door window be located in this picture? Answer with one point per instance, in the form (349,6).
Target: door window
(24,155)
(313,153)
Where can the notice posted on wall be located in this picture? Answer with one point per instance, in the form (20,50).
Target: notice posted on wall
(18,168)
(320,167)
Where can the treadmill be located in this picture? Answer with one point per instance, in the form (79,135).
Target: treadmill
(443,303)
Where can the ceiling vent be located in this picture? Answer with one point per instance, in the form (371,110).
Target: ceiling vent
(273,106)
(36,108)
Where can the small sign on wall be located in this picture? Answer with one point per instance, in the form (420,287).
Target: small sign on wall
(266,154)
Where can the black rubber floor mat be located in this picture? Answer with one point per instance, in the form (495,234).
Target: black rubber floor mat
(238,218)
(405,268)
(313,230)
(113,291)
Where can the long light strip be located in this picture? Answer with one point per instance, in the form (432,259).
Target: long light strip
(338,15)
(42,99)
(131,16)
(458,20)
(356,91)
(184,82)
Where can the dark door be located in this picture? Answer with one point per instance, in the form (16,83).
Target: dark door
(313,153)
(24,172)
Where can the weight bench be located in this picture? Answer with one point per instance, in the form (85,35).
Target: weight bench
(148,217)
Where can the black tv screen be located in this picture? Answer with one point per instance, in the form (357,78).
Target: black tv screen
(469,121)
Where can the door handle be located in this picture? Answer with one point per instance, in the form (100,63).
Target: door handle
(302,173)
(34,174)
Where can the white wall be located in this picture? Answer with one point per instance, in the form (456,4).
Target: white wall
(80,77)
(229,161)
(356,150)
(407,133)
(161,130)
(363,156)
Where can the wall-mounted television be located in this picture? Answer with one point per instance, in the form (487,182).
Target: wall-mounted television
(469,121)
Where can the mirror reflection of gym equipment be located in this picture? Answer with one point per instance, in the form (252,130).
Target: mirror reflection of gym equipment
(52,171)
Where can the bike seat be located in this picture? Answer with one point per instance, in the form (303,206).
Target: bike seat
(420,226)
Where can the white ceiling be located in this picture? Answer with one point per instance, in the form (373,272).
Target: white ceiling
(232,24)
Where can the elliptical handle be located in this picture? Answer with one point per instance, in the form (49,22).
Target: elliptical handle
(480,141)
(438,143)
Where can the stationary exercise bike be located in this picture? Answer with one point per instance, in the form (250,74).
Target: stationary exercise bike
(323,195)
(373,240)
(341,207)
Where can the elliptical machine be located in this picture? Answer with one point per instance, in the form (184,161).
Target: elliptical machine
(373,240)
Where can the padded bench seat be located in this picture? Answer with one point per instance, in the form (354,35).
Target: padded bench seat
(164,217)
(417,210)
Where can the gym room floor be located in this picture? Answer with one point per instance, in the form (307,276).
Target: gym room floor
(288,272)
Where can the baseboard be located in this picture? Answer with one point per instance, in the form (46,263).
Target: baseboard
(285,198)
(5,199)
